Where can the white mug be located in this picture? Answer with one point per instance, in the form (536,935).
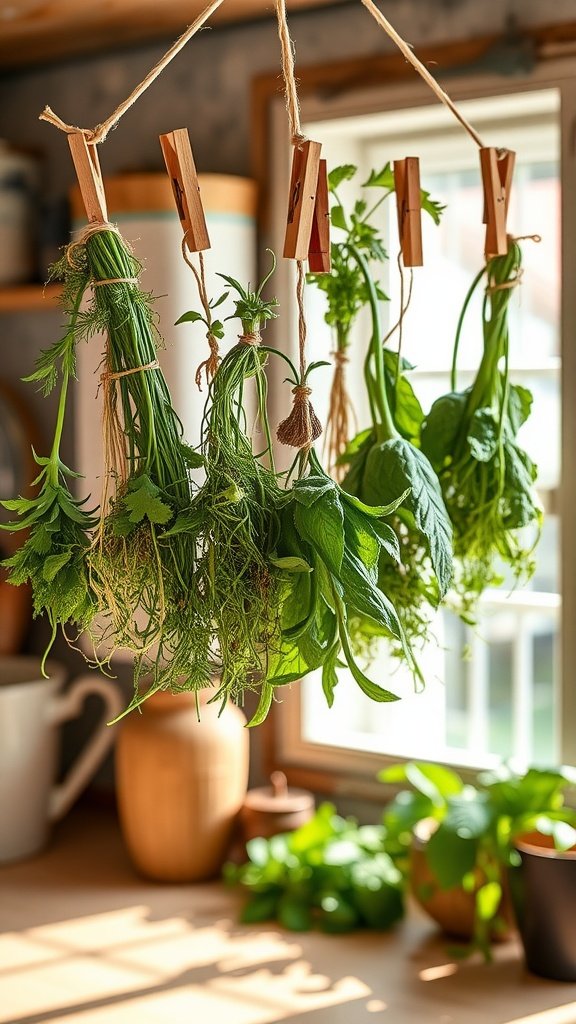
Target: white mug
(31,709)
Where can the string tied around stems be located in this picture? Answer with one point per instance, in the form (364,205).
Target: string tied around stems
(250,338)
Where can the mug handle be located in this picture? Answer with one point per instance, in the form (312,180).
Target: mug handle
(68,706)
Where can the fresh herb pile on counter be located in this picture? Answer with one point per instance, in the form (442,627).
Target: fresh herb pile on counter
(385,460)
(470,437)
(330,873)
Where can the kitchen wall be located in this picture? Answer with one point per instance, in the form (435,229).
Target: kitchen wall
(207,88)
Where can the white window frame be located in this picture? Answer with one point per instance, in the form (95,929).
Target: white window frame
(350,772)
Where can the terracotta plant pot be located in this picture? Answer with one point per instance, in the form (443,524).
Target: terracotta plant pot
(452,909)
(181,783)
(544,891)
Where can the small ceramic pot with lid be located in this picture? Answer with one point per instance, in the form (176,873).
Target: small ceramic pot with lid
(273,809)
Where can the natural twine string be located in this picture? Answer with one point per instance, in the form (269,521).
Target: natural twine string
(288,74)
(252,338)
(340,413)
(100,132)
(115,280)
(209,365)
(421,69)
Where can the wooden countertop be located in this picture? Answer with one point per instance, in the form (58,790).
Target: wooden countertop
(84,940)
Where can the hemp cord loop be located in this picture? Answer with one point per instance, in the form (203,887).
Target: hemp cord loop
(100,132)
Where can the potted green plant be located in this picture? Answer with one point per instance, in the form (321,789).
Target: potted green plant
(331,873)
(455,841)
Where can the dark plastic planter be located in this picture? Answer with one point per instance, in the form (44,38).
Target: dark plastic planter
(544,893)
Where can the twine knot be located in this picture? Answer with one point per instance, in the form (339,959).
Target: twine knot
(250,338)
(340,358)
(302,427)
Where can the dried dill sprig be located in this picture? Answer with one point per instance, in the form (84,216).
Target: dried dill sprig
(140,583)
(234,515)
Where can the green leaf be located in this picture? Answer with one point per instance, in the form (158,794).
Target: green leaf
(339,174)
(311,488)
(442,427)
(483,435)
(143,501)
(364,597)
(261,907)
(372,690)
(519,406)
(336,915)
(406,410)
(488,899)
(381,179)
(396,465)
(264,705)
(322,525)
(376,511)
(218,302)
(54,563)
(291,563)
(190,318)
(294,914)
(329,674)
(338,218)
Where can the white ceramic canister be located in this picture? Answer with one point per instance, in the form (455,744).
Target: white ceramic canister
(19,188)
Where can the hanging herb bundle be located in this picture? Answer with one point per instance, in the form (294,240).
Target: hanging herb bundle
(329,545)
(234,516)
(470,437)
(141,580)
(385,459)
(53,557)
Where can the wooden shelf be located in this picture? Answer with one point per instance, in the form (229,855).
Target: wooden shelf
(29,296)
(42,32)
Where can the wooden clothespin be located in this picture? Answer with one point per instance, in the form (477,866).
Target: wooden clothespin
(319,248)
(497,166)
(302,200)
(181,169)
(408,203)
(87,165)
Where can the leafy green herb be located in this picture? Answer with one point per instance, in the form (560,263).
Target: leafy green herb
(234,517)
(385,460)
(471,439)
(340,538)
(472,846)
(53,557)
(330,873)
